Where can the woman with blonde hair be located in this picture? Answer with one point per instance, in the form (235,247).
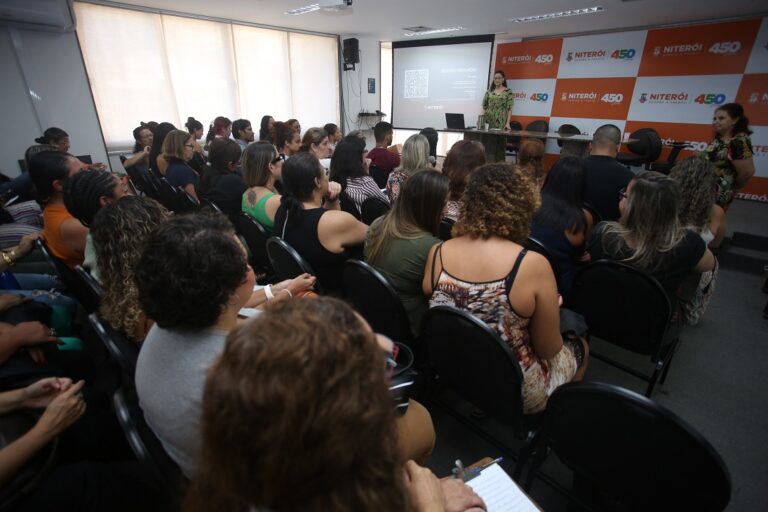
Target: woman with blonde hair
(415,156)
(262,168)
(485,270)
(698,190)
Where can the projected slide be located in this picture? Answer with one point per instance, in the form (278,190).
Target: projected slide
(430,81)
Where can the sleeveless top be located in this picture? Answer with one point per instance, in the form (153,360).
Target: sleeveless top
(489,302)
(259,210)
(303,237)
(54,216)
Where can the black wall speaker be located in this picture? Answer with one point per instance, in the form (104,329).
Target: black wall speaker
(351,51)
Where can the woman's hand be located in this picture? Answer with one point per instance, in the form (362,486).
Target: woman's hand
(423,488)
(301,284)
(9,300)
(27,242)
(39,394)
(507,127)
(334,191)
(34,333)
(459,497)
(63,411)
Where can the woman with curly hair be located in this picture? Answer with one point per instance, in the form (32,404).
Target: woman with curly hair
(698,189)
(119,232)
(415,156)
(485,270)
(296,415)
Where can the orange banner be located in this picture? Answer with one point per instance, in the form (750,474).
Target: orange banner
(593,98)
(755,190)
(716,49)
(753,96)
(529,59)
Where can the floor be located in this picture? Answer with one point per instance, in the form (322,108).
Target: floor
(718,383)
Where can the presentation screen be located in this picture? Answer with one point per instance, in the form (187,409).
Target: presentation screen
(439,76)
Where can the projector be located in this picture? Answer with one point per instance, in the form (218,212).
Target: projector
(334,5)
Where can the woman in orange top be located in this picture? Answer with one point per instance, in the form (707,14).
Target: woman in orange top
(64,235)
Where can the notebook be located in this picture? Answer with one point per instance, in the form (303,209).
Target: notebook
(454,121)
(499,492)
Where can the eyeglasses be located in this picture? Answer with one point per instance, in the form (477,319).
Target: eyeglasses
(189,145)
(623,193)
(279,157)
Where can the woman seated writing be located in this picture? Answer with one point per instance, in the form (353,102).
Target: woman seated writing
(398,243)
(486,271)
(309,220)
(297,416)
(349,168)
(649,236)
(192,278)
(262,169)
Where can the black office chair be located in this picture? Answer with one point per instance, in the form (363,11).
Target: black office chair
(373,208)
(375,299)
(210,205)
(444,231)
(567,129)
(379,176)
(144,443)
(256,240)
(287,262)
(532,244)
(539,126)
(123,350)
(175,199)
(348,205)
(70,279)
(645,147)
(665,167)
(629,453)
(627,308)
(513,141)
(91,288)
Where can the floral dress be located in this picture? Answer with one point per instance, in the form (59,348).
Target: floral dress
(489,302)
(395,180)
(497,107)
(722,154)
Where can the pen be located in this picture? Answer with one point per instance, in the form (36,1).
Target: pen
(473,472)
(458,471)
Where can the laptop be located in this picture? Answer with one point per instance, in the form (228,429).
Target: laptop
(455,121)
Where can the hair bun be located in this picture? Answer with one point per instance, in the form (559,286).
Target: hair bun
(40,140)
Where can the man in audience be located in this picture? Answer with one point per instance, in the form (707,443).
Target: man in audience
(605,176)
(384,156)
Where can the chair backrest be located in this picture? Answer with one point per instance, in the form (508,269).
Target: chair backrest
(379,176)
(375,299)
(637,454)
(124,351)
(348,205)
(533,244)
(513,141)
(90,286)
(592,211)
(622,305)
(373,208)
(646,144)
(207,203)
(472,360)
(286,262)
(567,129)
(256,239)
(538,125)
(144,443)
(73,282)
(444,231)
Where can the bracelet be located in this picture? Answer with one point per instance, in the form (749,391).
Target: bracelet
(286,290)
(7,258)
(268,292)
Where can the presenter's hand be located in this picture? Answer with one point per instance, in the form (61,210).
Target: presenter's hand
(507,127)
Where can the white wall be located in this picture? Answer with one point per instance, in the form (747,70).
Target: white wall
(44,84)
(354,86)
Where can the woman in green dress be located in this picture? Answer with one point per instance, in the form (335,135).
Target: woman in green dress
(497,103)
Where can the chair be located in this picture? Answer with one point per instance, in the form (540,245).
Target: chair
(376,300)
(124,351)
(74,284)
(348,205)
(534,245)
(444,231)
(513,141)
(379,176)
(140,180)
(645,147)
(665,167)
(256,240)
(540,126)
(567,129)
(287,262)
(469,358)
(143,442)
(593,212)
(91,287)
(210,205)
(627,308)
(629,452)
(175,199)
(373,208)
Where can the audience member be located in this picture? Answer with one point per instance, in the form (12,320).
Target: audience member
(731,153)
(55,137)
(561,224)
(287,141)
(486,271)
(120,231)
(464,157)
(334,134)
(415,156)
(605,175)
(157,162)
(18,220)
(397,244)
(85,194)
(307,378)
(530,158)
(315,141)
(384,156)
(267,129)
(64,235)
(294,125)
(310,221)
(262,169)
(221,127)
(178,149)
(349,168)
(242,132)
(432,137)
(222,181)
(195,128)
(649,236)
(193,278)
(139,160)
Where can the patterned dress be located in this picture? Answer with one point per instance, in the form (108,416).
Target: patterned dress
(489,302)
(497,107)
(396,178)
(722,154)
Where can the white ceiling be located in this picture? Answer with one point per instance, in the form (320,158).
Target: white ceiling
(385,20)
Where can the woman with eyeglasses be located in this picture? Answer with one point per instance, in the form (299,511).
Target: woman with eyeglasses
(222,182)
(262,168)
(178,150)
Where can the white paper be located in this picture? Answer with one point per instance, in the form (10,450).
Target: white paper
(500,492)
(248,312)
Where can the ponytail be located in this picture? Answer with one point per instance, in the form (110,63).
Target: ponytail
(298,176)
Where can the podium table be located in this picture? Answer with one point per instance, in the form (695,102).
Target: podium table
(490,139)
